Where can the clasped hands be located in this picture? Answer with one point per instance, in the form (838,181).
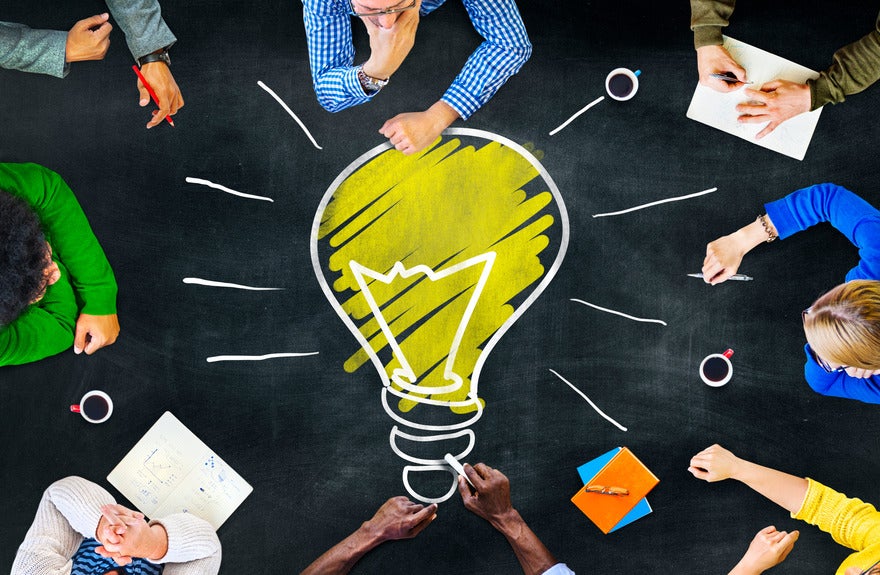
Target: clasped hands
(773,102)
(124,535)
(89,39)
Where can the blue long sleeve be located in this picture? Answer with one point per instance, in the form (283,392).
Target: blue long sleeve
(840,384)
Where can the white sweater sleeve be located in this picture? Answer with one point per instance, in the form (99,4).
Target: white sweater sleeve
(193,547)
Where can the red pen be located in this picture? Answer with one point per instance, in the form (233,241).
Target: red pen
(150,90)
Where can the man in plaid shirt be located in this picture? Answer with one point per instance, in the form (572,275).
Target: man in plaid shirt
(392,25)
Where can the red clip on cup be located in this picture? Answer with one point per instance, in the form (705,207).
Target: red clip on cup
(95,407)
(716,369)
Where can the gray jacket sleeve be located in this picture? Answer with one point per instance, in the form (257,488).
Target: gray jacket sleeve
(28,50)
(141,21)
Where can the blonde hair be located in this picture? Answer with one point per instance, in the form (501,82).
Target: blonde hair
(843,325)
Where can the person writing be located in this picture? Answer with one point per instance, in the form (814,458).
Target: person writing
(854,68)
(392,25)
(56,285)
(851,522)
(400,518)
(79,528)
(52,51)
(842,326)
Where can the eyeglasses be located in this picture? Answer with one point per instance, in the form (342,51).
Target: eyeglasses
(602,490)
(399,8)
(822,363)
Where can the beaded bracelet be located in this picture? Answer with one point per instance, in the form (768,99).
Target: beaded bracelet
(770,235)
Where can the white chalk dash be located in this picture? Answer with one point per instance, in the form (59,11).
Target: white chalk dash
(289,111)
(216,358)
(621,314)
(211,184)
(212,283)
(593,405)
(576,114)
(658,202)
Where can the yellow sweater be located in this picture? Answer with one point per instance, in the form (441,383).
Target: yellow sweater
(851,522)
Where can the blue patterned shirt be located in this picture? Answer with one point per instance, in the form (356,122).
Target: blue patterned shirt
(505,49)
(87,561)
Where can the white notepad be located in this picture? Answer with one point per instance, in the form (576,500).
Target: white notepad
(170,470)
(718,109)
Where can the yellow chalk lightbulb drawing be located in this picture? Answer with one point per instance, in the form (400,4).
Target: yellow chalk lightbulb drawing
(429,259)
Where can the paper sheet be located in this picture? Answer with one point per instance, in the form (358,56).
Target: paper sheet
(170,470)
(718,109)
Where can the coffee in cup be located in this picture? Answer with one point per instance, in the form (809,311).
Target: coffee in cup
(716,369)
(622,83)
(95,407)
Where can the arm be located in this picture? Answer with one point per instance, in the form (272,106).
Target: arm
(724,255)
(28,50)
(840,384)
(398,518)
(491,501)
(855,67)
(850,521)
(68,513)
(768,549)
(331,55)
(716,464)
(708,18)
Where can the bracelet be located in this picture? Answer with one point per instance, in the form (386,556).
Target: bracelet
(770,235)
(160,55)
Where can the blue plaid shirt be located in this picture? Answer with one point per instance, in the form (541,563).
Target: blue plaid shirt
(505,49)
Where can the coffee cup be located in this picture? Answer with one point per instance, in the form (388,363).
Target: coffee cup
(716,369)
(95,407)
(622,84)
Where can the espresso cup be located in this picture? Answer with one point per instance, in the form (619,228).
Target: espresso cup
(95,407)
(716,369)
(622,84)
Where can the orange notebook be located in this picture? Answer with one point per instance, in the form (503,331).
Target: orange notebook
(623,471)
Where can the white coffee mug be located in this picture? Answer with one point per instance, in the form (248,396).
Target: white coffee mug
(95,407)
(716,369)
(622,84)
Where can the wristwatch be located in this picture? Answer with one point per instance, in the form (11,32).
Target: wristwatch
(160,55)
(368,83)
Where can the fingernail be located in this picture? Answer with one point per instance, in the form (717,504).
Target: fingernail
(77,350)
(144,102)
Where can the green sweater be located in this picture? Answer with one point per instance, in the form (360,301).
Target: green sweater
(854,67)
(86,285)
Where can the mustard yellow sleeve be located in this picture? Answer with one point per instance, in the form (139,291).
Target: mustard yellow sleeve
(850,521)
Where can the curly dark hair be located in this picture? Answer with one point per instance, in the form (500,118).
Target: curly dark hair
(23,253)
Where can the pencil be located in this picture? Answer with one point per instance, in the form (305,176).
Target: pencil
(150,90)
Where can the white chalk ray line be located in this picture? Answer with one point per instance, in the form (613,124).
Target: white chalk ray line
(578,113)
(675,199)
(621,314)
(289,111)
(593,405)
(212,283)
(216,358)
(211,184)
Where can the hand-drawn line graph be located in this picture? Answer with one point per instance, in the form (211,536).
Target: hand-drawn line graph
(429,259)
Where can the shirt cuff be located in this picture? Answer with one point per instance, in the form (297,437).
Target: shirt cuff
(782,219)
(708,36)
(461,101)
(820,93)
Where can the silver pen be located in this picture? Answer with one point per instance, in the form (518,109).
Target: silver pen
(738,277)
(728,78)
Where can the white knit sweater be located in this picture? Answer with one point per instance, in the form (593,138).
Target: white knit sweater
(69,512)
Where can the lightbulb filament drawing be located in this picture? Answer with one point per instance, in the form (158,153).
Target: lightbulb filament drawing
(429,259)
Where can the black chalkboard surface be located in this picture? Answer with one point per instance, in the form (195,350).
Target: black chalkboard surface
(311,437)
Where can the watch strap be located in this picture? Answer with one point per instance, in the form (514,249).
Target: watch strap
(157,56)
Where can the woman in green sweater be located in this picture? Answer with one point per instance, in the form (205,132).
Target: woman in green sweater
(851,522)
(56,285)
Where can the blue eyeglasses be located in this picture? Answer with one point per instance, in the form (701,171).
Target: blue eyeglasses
(822,363)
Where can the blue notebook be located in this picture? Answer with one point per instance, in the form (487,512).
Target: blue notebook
(589,470)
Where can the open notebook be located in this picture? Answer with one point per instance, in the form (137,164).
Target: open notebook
(718,109)
(170,470)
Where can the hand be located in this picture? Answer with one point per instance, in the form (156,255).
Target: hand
(391,38)
(86,43)
(160,79)
(717,60)
(723,257)
(94,332)
(768,549)
(491,500)
(776,102)
(400,518)
(125,534)
(413,132)
(860,373)
(714,464)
